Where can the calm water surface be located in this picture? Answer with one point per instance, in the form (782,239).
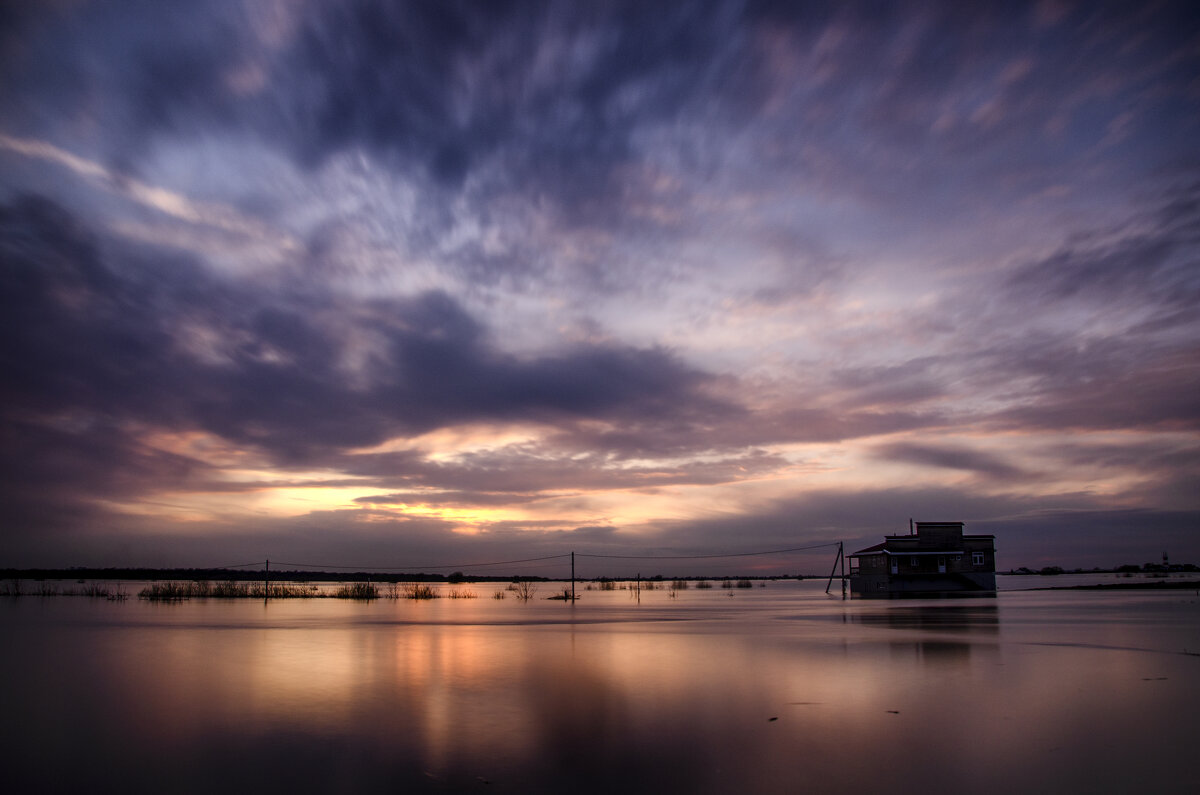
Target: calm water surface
(775,689)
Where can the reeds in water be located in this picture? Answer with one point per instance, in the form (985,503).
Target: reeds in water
(357,590)
(93,590)
(417,590)
(98,591)
(203,589)
(171,591)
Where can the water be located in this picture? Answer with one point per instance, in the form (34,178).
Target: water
(776,689)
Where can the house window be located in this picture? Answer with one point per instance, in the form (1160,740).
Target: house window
(913,562)
(977,558)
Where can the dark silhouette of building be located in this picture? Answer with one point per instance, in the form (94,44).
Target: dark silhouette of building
(934,558)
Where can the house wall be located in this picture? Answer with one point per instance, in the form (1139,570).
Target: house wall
(884,584)
(940,535)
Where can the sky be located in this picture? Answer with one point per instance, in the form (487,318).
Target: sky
(417,284)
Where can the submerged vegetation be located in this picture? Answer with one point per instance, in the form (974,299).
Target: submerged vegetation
(203,589)
(357,590)
(522,588)
(365,591)
(93,590)
(416,590)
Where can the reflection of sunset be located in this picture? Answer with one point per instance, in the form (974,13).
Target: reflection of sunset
(704,693)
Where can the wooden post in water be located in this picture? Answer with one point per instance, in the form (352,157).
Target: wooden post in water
(842,558)
(836,561)
(267,579)
(572,578)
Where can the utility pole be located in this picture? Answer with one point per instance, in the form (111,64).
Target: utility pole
(838,560)
(842,557)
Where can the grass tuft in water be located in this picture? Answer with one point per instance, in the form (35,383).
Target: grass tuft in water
(418,590)
(172,591)
(357,590)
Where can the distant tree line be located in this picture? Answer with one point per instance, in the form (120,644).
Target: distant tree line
(83,573)
(293,575)
(1128,568)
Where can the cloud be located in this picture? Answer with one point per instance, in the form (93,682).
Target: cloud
(126,341)
(676,247)
(1151,259)
(518,474)
(1155,394)
(100,335)
(224,219)
(954,457)
(54,474)
(1067,529)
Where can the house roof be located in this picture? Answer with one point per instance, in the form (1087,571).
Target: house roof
(909,547)
(915,536)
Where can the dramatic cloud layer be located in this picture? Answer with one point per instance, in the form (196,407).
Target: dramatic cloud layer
(416,283)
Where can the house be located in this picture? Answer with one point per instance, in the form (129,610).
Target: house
(935,557)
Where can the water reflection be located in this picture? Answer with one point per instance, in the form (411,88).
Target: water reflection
(360,698)
(983,618)
(934,653)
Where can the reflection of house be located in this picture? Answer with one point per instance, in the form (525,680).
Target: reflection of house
(937,558)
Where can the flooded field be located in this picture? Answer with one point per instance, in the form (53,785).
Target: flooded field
(773,689)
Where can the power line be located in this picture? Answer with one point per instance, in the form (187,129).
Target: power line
(422,566)
(562,556)
(698,557)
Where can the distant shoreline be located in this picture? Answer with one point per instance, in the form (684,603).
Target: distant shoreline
(1137,585)
(298,575)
